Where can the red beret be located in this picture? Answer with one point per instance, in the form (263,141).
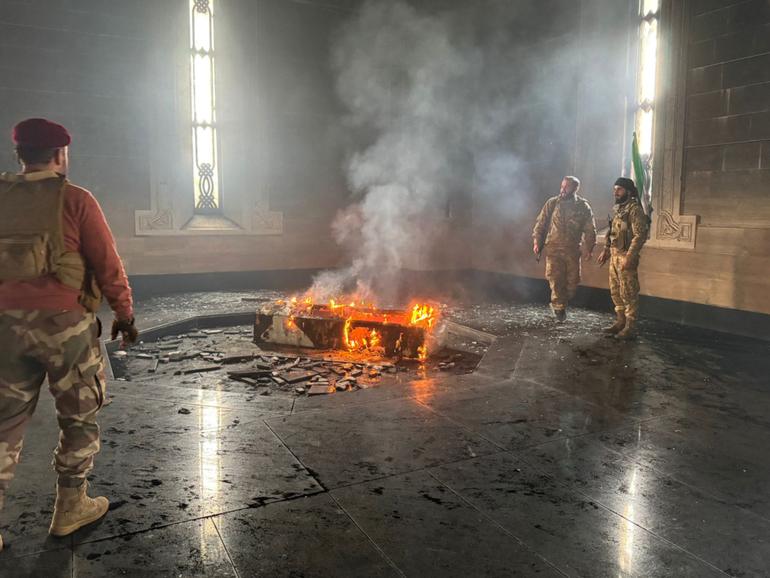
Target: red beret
(42,133)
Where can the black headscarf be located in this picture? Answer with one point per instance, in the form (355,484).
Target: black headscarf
(627,184)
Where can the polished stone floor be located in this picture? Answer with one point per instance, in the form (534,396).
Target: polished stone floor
(565,453)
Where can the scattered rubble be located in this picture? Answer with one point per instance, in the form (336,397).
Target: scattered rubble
(229,356)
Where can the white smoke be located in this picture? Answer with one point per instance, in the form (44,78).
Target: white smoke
(435,97)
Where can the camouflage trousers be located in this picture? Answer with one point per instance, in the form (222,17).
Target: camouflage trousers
(562,269)
(624,286)
(63,346)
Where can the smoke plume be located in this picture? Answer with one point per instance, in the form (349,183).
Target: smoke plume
(434,99)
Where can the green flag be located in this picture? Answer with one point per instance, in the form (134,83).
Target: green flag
(636,161)
(639,177)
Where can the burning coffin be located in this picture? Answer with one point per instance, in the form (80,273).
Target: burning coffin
(355,327)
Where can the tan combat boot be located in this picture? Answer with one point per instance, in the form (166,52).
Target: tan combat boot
(617,327)
(629,331)
(560,314)
(74,509)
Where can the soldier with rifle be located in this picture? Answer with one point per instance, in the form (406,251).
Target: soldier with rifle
(625,239)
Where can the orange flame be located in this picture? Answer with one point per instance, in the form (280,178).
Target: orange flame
(360,338)
(355,310)
(422,315)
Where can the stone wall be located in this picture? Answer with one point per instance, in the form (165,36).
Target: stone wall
(727,162)
(725,173)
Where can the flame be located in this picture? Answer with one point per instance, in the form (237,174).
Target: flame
(359,314)
(360,338)
(422,353)
(374,339)
(346,332)
(422,315)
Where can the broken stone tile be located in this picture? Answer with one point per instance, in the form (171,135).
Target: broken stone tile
(237,358)
(286,366)
(318,390)
(202,369)
(252,372)
(297,376)
(247,380)
(169,346)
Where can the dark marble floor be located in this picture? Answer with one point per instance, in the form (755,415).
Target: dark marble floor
(565,453)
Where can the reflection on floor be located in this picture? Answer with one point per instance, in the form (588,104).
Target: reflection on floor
(565,453)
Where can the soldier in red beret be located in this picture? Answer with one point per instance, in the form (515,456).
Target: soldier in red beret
(57,259)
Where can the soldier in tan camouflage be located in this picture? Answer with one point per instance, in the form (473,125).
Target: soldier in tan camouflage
(564,223)
(57,257)
(625,239)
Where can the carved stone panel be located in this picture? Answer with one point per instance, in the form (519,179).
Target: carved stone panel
(670,228)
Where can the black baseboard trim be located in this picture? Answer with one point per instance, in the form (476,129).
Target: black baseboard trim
(285,280)
(722,319)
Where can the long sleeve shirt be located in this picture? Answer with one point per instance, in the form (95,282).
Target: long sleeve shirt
(85,231)
(629,228)
(563,222)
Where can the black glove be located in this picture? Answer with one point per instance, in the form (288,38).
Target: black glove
(127,330)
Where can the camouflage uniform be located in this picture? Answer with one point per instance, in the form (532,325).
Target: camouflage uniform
(64,346)
(559,228)
(626,237)
(57,258)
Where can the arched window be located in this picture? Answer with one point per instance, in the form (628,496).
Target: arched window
(649,12)
(204,126)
